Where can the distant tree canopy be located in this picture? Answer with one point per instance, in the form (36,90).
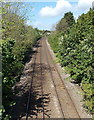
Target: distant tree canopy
(66,22)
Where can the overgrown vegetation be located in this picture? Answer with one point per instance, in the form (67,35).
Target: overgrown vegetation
(74,46)
(17,40)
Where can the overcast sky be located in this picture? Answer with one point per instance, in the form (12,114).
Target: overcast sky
(44,15)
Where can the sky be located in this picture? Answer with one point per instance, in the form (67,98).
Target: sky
(45,15)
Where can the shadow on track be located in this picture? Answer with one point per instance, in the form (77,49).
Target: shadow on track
(18,111)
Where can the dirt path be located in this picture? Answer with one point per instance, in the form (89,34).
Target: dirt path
(42,91)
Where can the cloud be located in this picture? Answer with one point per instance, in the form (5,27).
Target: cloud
(84,4)
(36,24)
(28,22)
(40,25)
(61,7)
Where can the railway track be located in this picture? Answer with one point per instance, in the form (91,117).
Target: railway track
(41,69)
(66,106)
(52,78)
(30,89)
(37,64)
(50,62)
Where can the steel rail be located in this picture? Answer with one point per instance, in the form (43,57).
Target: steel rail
(31,83)
(30,89)
(53,79)
(62,80)
(43,115)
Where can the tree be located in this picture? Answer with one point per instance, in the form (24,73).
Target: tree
(66,22)
(69,18)
(62,25)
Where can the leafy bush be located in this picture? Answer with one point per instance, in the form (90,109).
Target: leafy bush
(18,40)
(75,51)
(54,41)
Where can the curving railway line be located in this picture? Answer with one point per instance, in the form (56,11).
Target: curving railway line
(51,97)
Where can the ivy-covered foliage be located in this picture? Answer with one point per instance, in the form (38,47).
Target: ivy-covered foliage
(17,40)
(75,50)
